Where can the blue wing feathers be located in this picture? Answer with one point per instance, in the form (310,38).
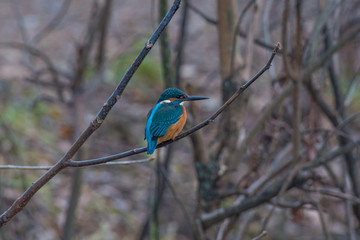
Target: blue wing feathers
(159,120)
(151,146)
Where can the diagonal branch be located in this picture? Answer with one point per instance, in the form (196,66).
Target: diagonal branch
(265,195)
(325,56)
(64,162)
(188,132)
(332,155)
(53,22)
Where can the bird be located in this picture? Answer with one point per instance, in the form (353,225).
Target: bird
(166,120)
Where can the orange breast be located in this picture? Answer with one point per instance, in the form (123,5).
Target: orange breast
(174,129)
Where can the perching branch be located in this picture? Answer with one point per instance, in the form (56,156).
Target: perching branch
(64,162)
(206,122)
(188,132)
(18,167)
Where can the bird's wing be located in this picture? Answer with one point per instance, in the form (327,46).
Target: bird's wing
(164,116)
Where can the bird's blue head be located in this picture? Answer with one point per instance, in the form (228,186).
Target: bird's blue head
(174,94)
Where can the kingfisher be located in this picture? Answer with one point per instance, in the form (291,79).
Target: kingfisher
(166,120)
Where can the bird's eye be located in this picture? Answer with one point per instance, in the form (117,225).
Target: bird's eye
(181,96)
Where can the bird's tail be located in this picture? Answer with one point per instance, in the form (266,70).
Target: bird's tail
(151,146)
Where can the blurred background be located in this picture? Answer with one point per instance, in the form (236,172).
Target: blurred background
(282,162)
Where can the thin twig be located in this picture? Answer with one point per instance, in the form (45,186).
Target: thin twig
(351,90)
(289,71)
(313,39)
(54,22)
(325,56)
(348,204)
(17,167)
(329,157)
(332,193)
(261,235)
(181,43)
(292,204)
(167,69)
(36,52)
(103,26)
(243,224)
(241,33)
(178,201)
(266,23)
(236,30)
(323,222)
(20,20)
(334,79)
(202,15)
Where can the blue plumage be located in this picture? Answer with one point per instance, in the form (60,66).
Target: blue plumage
(167,112)
(159,120)
(171,93)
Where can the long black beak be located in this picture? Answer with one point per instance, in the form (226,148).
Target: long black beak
(194,98)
